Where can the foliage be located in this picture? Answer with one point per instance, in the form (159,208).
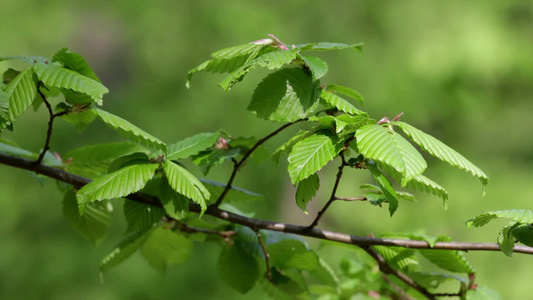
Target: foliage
(164,194)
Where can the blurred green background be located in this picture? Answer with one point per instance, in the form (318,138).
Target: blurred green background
(460,70)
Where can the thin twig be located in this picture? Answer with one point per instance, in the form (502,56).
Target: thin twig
(224,234)
(50,126)
(351,198)
(267,255)
(333,192)
(387,269)
(79,181)
(238,165)
(395,287)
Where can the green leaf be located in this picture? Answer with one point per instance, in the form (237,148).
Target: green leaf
(59,77)
(238,269)
(129,130)
(210,158)
(311,154)
(236,51)
(285,96)
(317,66)
(245,144)
(175,204)
(506,240)
(192,145)
(291,253)
(307,189)
(140,216)
(424,184)
(186,184)
(227,60)
(453,261)
(325,273)
(80,119)
(75,62)
(21,91)
(442,151)
(397,257)
(482,293)
(287,146)
(385,186)
(517,215)
(16,151)
(329,46)
(164,247)
(346,91)
(524,234)
(235,195)
(124,249)
(94,224)
(92,161)
(377,143)
(338,102)
(116,185)
(136,158)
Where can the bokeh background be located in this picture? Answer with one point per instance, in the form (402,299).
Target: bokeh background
(460,70)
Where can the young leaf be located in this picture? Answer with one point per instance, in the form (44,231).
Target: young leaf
(192,145)
(318,67)
(141,216)
(307,189)
(75,62)
(338,102)
(377,143)
(311,154)
(129,130)
(21,91)
(442,151)
(92,161)
(285,96)
(482,293)
(329,46)
(517,215)
(385,186)
(164,247)
(116,185)
(94,224)
(236,51)
(176,205)
(238,269)
(59,77)
(124,249)
(186,184)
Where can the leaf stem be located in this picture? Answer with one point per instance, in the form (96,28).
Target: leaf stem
(333,192)
(238,164)
(267,255)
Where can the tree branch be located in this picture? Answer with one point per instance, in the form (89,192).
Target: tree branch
(238,165)
(333,192)
(79,181)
